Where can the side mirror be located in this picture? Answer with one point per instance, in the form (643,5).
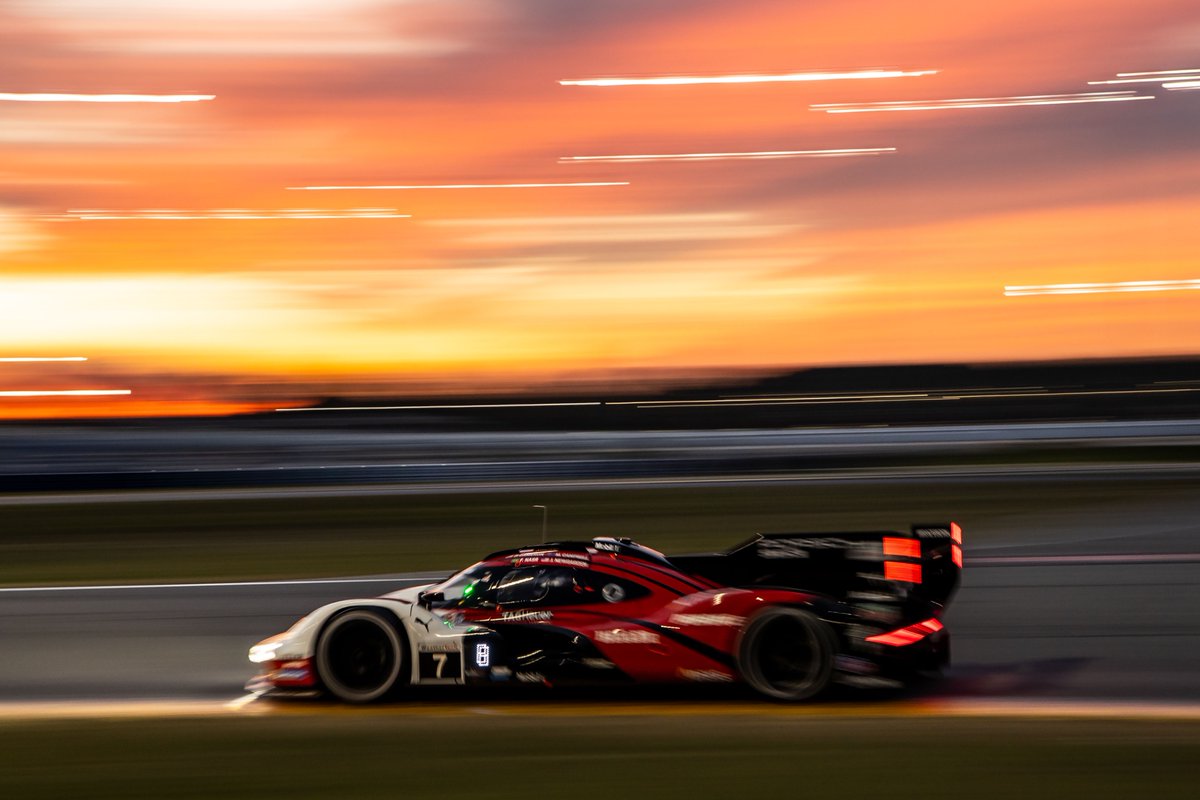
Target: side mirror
(427,599)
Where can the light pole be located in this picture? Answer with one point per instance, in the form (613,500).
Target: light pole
(545,516)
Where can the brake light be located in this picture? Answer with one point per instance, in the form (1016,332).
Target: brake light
(905,548)
(903,636)
(956,554)
(902,571)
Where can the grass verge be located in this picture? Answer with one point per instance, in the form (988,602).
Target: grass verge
(372,756)
(306,536)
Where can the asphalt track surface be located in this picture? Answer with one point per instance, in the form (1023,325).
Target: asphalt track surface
(1098,606)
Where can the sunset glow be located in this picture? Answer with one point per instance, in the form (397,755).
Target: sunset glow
(37,359)
(169,214)
(753,154)
(393,187)
(981,102)
(195,196)
(1101,288)
(51,97)
(789,77)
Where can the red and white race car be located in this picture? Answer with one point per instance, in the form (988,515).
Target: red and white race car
(788,614)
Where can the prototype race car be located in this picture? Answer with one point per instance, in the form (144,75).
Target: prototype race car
(789,614)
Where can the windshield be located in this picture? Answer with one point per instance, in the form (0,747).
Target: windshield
(505,586)
(471,588)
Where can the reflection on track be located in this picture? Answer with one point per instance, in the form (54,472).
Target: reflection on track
(250,705)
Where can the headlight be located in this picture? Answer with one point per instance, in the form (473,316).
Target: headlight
(264,651)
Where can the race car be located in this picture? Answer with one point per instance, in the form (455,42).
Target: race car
(788,614)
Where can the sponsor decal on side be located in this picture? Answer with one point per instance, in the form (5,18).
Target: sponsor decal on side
(292,672)
(708,620)
(552,557)
(799,547)
(598,663)
(613,592)
(875,612)
(855,665)
(705,675)
(933,533)
(625,636)
(526,616)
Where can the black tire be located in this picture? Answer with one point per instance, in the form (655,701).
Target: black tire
(787,654)
(362,656)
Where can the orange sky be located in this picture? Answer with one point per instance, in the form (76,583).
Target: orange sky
(896,257)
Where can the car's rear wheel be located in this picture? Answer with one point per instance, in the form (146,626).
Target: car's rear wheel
(361,655)
(787,654)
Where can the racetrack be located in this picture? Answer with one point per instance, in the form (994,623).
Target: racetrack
(1089,603)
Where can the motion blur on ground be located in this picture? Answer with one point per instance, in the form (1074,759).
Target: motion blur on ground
(305,301)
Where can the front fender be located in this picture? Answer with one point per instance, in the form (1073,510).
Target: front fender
(299,641)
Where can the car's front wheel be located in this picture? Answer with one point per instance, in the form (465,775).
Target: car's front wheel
(361,655)
(787,653)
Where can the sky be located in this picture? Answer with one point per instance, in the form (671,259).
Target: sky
(839,182)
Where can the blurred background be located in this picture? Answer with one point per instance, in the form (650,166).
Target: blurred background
(233,206)
(294,292)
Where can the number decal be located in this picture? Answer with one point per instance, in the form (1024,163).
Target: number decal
(440,666)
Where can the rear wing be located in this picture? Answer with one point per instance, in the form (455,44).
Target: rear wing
(923,564)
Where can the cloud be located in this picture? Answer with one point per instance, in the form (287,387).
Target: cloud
(263,28)
(17,235)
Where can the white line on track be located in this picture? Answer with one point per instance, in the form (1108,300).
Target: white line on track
(551,484)
(241,702)
(1059,709)
(973,561)
(1027,708)
(225,585)
(1131,558)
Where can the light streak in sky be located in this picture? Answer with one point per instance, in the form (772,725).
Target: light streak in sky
(573,184)
(760,154)
(1135,80)
(13,359)
(688,80)
(57,97)
(939,397)
(228,213)
(1176,86)
(980,102)
(448,406)
(1102,288)
(1159,72)
(1151,77)
(67,393)
(614,228)
(602,221)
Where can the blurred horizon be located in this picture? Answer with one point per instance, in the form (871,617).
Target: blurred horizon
(1161,377)
(247,205)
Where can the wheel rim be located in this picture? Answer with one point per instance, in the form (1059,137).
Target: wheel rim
(788,655)
(359,657)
